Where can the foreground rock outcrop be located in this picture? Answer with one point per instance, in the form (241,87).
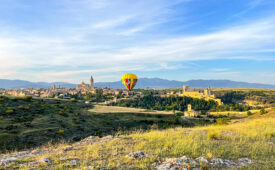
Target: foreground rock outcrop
(185,162)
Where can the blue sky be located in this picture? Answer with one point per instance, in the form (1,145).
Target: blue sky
(69,40)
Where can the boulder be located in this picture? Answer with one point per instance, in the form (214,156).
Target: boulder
(46,160)
(137,155)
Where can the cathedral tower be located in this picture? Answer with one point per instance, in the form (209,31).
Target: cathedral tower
(92,83)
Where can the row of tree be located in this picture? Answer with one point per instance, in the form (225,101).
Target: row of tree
(154,102)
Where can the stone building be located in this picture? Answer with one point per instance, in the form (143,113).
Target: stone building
(201,94)
(86,88)
(190,112)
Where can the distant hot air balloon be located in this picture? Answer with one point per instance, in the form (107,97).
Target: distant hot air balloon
(129,80)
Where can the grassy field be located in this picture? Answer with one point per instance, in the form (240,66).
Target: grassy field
(117,109)
(253,138)
(26,123)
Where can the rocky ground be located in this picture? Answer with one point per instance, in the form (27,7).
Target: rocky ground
(184,162)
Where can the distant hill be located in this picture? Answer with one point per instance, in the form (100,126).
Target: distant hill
(10,84)
(142,83)
(163,83)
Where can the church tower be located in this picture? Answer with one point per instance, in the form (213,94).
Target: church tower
(92,83)
(189,107)
(53,87)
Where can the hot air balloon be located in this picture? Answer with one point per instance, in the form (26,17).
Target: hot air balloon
(129,80)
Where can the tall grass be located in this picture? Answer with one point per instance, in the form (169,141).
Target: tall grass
(253,138)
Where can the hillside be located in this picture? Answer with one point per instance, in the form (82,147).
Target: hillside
(246,144)
(142,83)
(23,120)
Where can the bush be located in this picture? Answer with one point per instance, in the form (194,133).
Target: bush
(19,98)
(249,113)
(1,117)
(262,111)
(222,121)
(213,135)
(28,97)
(9,111)
(24,107)
(73,100)
(60,132)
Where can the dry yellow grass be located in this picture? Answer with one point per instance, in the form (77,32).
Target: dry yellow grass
(253,138)
(117,109)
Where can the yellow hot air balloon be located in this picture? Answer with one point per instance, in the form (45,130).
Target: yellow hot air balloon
(129,80)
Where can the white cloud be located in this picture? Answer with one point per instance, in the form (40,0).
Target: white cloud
(110,43)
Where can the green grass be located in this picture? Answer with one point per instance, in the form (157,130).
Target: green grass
(253,138)
(37,121)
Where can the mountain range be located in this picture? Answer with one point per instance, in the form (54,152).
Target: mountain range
(142,83)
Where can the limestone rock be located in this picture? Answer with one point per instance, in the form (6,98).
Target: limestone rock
(244,161)
(172,164)
(216,161)
(68,148)
(202,160)
(73,163)
(46,160)
(138,154)
(7,161)
(187,163)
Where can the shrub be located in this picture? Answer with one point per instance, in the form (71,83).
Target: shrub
(73,100)
(213,135)
(20,107)
(262,111)
(60,132)
(9,111)
(1,117)
(154,126)
(249,113)
(222,121)
(19,98)
(24,107)
(28,97)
